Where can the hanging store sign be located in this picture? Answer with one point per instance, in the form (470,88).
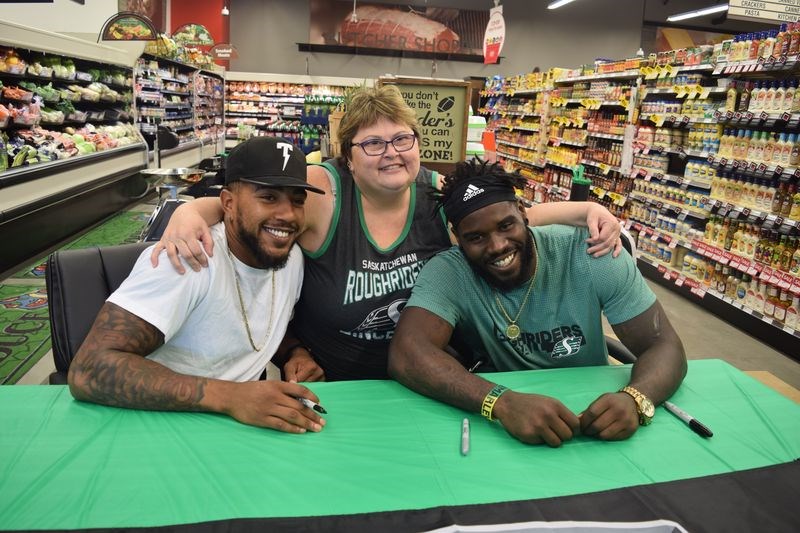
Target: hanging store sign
(224,51)
(767,11)
(127,26)
(494,36)
(413,30)
(193,35)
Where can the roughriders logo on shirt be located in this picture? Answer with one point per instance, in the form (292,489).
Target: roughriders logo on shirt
(556,343)
(566,347)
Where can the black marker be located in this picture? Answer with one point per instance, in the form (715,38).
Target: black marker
(315,406)
(693,423)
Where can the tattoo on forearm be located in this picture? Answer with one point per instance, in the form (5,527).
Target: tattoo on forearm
(111,369)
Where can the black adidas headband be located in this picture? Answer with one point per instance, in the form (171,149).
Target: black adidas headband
(475,193)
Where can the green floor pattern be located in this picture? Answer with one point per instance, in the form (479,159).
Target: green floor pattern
(24,323)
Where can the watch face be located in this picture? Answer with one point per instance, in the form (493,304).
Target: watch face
(648,409)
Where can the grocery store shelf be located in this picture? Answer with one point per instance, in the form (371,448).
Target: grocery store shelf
(766,329)
(607,136)
(523,146)
(627,74)
(519,160)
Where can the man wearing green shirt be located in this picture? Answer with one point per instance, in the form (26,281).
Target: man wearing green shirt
(528,298)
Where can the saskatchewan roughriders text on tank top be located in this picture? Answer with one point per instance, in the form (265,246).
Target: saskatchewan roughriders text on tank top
(353,291)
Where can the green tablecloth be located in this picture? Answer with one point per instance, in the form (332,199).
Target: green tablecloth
(66,464)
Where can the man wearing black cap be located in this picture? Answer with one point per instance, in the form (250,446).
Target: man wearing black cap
(527,298)
(163,341)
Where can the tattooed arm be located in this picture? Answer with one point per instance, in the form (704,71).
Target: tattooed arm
(111,368)
(417,360)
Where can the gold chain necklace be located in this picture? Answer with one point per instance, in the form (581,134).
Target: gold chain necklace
(244,313)
(512,330)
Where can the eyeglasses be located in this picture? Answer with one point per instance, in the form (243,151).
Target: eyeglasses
(401,143)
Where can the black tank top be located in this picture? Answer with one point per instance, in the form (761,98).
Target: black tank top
(353,291)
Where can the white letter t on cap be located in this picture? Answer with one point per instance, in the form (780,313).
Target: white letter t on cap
(286,149)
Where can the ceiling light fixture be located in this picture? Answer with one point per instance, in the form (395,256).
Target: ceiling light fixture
(225,10)
(558,3)
(353,16)
(698,13)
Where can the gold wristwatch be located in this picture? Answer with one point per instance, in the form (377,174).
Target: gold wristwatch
(644,407)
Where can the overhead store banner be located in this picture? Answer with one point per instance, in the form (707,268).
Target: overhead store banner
(433,30)
(766,11)
(442,109)
(154,10)
(128,27)
(495,36)
(193,35)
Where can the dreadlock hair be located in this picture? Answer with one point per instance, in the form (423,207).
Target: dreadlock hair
(473,168)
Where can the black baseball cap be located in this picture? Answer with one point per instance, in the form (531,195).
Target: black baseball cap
(271,161)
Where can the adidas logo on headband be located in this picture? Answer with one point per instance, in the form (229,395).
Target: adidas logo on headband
(472,192)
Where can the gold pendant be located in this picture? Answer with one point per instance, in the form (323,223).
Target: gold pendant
(512,331)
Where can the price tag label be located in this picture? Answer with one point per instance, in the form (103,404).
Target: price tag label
(659,205)
(681,151)
(778,170)
(673,244)
(786,117)
(728,115)
(658,120)
(710,159)
(737,116)
(778,222)
(763,116)
(658,176)
(680,280)
(723,162)
(762,168)
(661,269)
(704,92)
(679,90)
(604,168)
(751,166)
(682,216)
(746,211)
(671,118)
(654,237)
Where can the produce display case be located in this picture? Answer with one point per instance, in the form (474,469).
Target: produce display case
(70,151)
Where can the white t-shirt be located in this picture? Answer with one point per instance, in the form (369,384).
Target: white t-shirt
(200,316)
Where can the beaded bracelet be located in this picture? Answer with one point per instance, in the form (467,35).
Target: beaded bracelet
(490,399)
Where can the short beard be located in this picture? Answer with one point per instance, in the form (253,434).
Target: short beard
(264,259)
(527,256)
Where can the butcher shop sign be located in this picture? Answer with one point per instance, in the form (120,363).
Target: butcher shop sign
(442,111)
(422,30)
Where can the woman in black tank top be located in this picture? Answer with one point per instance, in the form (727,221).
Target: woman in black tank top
(366,239)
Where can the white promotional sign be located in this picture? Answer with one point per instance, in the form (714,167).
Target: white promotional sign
(494,36)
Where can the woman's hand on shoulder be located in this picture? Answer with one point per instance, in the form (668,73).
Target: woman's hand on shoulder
(186,236)
(604,230)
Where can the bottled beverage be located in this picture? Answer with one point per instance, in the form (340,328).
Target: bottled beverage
(720,275)
(732,97)
(793,312)
(775,207)
(761,297)
(786,255)
(731,283)
(744,98)
(781,305)
(788,96)
(794,267)
(777,252)
(769,98)
(769,147)
(752,288)
(771,301)
(780,93)
(786,202)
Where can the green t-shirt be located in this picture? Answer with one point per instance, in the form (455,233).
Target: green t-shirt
(560,324)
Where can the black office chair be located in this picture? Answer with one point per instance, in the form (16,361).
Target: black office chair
(78,283)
